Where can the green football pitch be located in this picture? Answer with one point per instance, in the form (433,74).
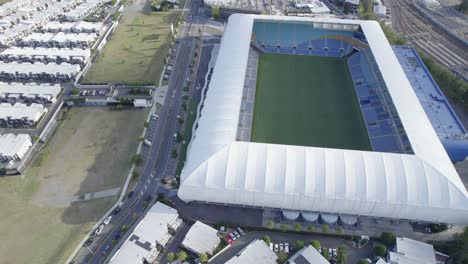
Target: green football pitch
(307,101)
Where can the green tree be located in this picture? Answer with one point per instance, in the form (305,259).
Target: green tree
(315,244)
(170,256)
(182,256)
(137,159)
(362,261)
(124,228)
(387,238)
(325,228)
(341,254)
(299,244)
(75,91)
(340,230)
(326,254)
(174,153)
(203,258)
(297,227)
(267,240)
(282,257)
(269,224)
(135,175)
(380,251)
(311,228)
(284,227)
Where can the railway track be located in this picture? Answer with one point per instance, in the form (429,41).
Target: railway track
(427,38)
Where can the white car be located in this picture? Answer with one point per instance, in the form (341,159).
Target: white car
(276,248)
(281,247)
(271,246)
(99,230)
(148,143)
(107,220)
(334,252)
(286,247)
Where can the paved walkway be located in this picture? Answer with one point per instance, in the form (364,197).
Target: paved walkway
(95,195)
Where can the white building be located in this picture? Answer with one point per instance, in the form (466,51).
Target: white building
(20,115)
(149,237)
(30,92)
(59,40)
(14,147)
(380,10)
(307,255)
(28,54)
(22,21)
(83,10)
(410,251)
(38,71)
(73,27)
(315,6)
(423,186)
(201,238)
(257,252)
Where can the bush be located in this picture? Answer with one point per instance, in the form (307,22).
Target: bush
(203,257)
(299,244)
(282,257)
(362,261)
(326,254)
(311,228)
(341,254)
(269,224)
(284,227)
(135,174)
(387,238)
(137,159)
(75,91)
(380,251)
(297,227)
(315,244)
(325,228)
(182,256)
(340,230)
(170,256)
(267,240)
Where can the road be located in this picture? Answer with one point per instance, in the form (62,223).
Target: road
(160,133)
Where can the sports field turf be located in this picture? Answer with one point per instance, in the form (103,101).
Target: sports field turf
(307,101)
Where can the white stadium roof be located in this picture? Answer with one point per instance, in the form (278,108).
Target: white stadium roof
(424,186)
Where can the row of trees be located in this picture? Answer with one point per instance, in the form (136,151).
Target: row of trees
(182,256)
(297,227)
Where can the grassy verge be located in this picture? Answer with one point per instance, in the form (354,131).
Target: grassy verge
(83,155)
(136,51)
(192,108)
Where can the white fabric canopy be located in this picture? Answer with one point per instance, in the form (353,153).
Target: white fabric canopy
(219,169)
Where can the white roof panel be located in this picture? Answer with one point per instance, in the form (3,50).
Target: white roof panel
(423,186)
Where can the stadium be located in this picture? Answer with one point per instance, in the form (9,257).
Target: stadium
(316,115)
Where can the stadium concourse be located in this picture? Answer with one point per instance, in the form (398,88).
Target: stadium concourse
(407,175)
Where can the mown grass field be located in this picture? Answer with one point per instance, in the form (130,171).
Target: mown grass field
(136,51)
(307,101)
(85,154)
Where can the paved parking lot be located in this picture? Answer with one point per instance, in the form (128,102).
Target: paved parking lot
(354,254)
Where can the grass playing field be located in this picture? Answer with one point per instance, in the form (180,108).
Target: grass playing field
(307,101)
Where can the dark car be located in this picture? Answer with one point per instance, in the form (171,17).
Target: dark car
(130,194)
(106,249)
(117,236)
(147,198)
(116,210)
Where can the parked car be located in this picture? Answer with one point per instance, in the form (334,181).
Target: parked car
(148,143)
(271,246)
(106,250)
(116,210)
(130,194)
(241,232)
(107,220)
(229,239)
(117,236)
(286,247)
(233,237)
(275,248)
(334,251)
(236,234)
(281,247)
(99,230)
(147,198)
